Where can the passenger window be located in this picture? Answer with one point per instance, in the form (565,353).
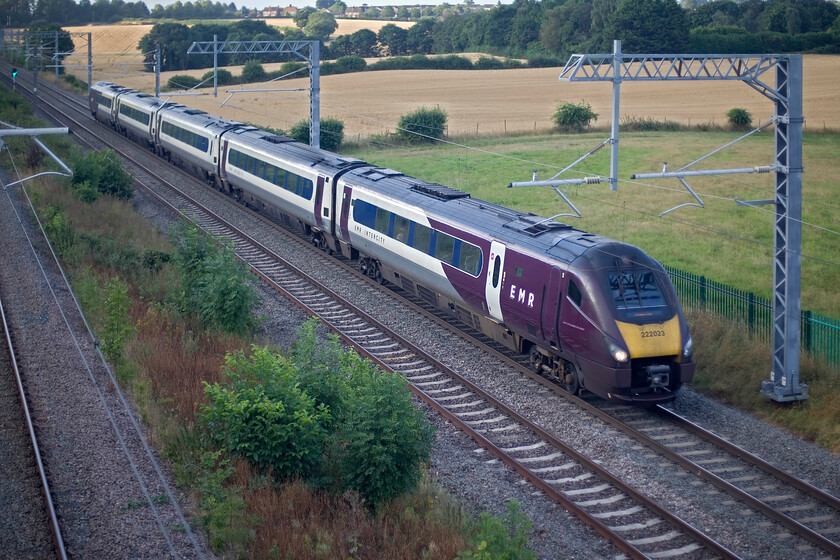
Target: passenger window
(574,293)
(445,247)
(382,219)
(518,272)
(497,269)
(401,228)
(469,260)
(280,178)
(422,238)
(260,169)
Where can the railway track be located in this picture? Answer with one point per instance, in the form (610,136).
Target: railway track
(30,532)
(547,462)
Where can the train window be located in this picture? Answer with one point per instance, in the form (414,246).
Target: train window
(232,155)
(574,293)
(306,189)
(250,162)
(259,171)
(280,178)
(497,269)
(444,247)
(469,259)
(364,213)
(422,238)
(401,226)
(636,292)
(518,272)
(383,217)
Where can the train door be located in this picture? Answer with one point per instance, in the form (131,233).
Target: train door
(320,209)
(345,213)
(223,160)
(552,302)
(495,278)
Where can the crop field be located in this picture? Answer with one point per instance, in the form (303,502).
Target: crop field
(478,103)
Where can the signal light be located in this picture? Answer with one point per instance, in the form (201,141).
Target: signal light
(14,73)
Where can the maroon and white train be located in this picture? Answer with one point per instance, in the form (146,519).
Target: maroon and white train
(591,312)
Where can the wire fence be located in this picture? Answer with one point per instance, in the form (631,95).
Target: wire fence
(819,335)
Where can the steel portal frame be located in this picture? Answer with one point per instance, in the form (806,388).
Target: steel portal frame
(784,385)
(216,47)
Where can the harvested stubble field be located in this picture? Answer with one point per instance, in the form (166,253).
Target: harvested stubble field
(487,102)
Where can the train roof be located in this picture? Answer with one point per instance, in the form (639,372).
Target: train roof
(289,150)
(196,118)
(527,232)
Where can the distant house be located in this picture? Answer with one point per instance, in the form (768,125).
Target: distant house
(353,12)
(290,11)
(270,12)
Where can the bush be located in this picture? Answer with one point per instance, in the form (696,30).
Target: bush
(571,117)
(183,81)
(253,71)
(223,77)
(263,415)
(96,173)
(332,133)
(215,285)
(488,63)
(344,65)
(323,414)
(504,538)
(739,119)
(423,125)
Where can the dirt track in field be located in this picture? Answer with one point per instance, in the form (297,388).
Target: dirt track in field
(482,102)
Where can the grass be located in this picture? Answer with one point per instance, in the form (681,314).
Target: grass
(725,242)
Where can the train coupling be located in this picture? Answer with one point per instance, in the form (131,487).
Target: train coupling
(660,376)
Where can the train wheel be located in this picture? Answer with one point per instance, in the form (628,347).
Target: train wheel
(570,380)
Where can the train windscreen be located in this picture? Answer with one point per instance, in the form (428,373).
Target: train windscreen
(637,294)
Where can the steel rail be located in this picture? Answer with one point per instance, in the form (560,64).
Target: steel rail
(58,539)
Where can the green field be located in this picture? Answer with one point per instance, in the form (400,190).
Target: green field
(725,242)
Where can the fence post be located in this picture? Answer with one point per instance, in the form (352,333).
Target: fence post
(702,292)
(751,310)
(807,323)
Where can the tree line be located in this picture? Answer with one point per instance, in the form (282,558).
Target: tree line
(543,32)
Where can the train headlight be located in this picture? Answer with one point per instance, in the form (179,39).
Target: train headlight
(688,349)
(618,353)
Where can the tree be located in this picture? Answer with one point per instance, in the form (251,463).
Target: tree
(253,71)
(339,7)
(419,38)
(174,40)
(650,26)
(394,39)
(387,13)
(323,4)
(320,25)
(363,43)
(302,16)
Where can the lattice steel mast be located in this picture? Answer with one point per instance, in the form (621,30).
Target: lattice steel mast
(784,382)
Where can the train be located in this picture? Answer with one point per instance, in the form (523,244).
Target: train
(589,312)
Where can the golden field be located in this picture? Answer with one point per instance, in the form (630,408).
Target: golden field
(482,102)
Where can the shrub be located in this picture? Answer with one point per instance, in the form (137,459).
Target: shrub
(488,63)
(343,65)
(263,415)
(101,172)
(739,119)
(223,77)
(116,326)
(423,125)
(215,285)
(501,538)
(183,81)
(253,71)
(571,117)
(332,133)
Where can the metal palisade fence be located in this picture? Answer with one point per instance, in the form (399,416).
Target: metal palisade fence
(820,335)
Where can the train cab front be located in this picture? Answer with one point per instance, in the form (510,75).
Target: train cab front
(647,351)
